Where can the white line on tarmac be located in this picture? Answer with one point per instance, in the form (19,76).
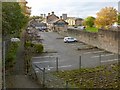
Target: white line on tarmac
(45,61)
(93,52)
(109,60)
(103,55)
(64,66)
(48,68)
(45,57)
(61,66)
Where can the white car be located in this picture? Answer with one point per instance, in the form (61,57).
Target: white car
(69,39)
(15,40)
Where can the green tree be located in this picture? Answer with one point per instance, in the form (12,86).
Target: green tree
(89,21)
(13,20)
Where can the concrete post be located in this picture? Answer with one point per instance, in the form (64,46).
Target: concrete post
(100,59)
(56,64)
(43,77)
(80,62)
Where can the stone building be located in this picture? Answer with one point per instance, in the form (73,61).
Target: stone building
(60,24)
(78,21)
(70,21)
(50,19)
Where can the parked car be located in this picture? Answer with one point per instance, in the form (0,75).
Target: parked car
(75,26)
(15,40)
(69,39)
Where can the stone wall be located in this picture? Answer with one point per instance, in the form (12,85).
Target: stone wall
(104,39)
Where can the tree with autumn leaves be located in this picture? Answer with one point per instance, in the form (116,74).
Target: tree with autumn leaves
(106,17)
(119,19)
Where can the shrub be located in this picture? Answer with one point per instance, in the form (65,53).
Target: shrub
(28,44)
(38,48)
(11,55)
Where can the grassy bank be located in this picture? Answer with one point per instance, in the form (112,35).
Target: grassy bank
(99,77)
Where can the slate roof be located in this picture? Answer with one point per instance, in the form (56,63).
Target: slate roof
(60,20)
(40,24)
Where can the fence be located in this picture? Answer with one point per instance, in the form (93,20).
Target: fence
(47,79)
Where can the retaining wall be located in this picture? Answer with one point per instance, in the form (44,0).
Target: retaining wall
(104,39)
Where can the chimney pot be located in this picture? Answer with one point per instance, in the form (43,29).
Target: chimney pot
(48,14)
(60,17)
(52,12)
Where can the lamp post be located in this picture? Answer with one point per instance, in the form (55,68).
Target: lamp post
(4,66)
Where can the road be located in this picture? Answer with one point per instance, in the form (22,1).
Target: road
(68,55)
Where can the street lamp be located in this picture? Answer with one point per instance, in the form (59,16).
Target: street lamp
(4,45)
(4,65)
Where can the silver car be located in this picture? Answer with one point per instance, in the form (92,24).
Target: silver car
(69,39)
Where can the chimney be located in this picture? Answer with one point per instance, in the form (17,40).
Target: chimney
(60,17)
(44,15)
(64,16)
(52,13)
(48,14)
(41,15)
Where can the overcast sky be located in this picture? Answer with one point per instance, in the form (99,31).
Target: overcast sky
(73,8)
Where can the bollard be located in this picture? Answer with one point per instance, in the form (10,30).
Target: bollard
(56,64)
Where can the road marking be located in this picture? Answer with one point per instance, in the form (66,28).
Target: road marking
(103,55)
(109,60)
(93,52)
(49,68)
(64,66)
(60,66)
(44,61)
(45,57)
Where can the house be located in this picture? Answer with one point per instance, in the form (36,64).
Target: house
(78,21)
(41,26)
(50,19)
(60,24)
(71,21)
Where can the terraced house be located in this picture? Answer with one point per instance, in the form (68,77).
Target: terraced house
(50,19)
(71,21)
(60,24)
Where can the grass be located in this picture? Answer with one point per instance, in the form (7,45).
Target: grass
(99,77)
(91,29)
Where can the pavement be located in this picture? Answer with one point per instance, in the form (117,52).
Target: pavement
(18,79)
(69,55)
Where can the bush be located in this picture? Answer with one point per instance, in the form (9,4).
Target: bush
(11,55)
(38,48)
(28,44)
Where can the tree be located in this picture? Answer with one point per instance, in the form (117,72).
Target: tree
(89,21)
(119,18)
(13,20)
(106,17)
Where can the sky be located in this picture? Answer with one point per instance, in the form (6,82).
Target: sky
(73,8)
